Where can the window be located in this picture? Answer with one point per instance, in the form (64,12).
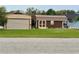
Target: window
(42,24)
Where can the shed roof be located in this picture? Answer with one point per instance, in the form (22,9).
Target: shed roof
(51,17)
(20,16)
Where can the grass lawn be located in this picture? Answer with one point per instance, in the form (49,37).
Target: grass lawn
(47,33)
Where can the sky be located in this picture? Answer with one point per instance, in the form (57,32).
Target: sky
(41,7)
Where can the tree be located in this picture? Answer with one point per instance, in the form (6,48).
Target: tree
(31,11)
(60,12)
(70,12)
(78,11)
(76,18)
(50,12)
(3,18)
(43,12)
(64,12)
(34,11)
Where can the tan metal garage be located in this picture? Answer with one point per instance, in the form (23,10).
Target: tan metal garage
(18,21)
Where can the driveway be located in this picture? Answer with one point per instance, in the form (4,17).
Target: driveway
(39,45)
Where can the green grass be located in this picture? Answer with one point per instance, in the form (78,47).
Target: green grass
(44,33)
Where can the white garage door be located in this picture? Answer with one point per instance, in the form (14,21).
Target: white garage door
(18,24)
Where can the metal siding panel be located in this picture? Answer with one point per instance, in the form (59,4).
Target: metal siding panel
(18,24)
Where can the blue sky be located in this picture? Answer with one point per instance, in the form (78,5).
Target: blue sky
(41,7)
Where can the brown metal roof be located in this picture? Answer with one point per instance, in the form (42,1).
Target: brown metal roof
(51,17)
(20,16)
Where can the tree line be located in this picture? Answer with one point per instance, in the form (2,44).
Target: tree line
(35,11)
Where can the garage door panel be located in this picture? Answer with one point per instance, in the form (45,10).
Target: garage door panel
(17,24)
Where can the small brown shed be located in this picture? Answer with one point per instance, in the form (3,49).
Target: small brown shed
(50,21)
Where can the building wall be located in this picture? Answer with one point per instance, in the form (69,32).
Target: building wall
(61,19)
(56,24)
(51,24)
(41,24)
(18,24)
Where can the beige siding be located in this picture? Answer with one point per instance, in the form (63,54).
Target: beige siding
(18,24)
